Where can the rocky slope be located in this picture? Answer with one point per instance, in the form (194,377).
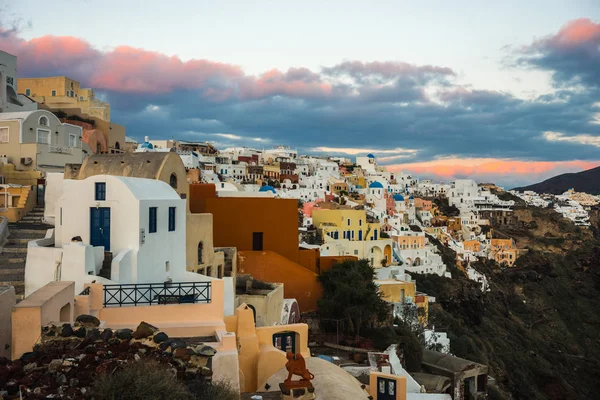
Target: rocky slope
(538,327)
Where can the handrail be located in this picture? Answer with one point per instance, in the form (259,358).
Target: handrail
(157,293)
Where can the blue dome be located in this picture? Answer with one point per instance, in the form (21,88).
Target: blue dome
(411,197)
(267,188)
(398,197)
(375,185)
(146,145)
(370,155)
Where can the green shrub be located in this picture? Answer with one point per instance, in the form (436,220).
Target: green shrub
(212,391)
(143,380)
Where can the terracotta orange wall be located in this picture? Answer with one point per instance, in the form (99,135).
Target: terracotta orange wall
(236,218)
(309,259)
(327,262)
(299,282)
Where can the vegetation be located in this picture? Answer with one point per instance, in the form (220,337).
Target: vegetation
(537,329)
(445,208)
(61,114)
(150,380)
(349,293)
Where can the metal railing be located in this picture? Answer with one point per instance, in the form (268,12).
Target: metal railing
(156,293)
(85,292)
(59,149)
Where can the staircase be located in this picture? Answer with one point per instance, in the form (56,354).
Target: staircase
(14,254)
(105,270)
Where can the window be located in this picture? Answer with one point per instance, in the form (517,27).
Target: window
(3,135)
(152,220)
(27,92)
(43,121)
(54,93)
(72,140)
(200,253)
(81,98)
(171,219)
(72,94)
(173,181)
(100,191)
(43,136)
(348,221)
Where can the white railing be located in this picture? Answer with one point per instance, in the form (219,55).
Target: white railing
(59,149)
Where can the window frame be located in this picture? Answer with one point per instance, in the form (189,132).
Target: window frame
(48,138)
(46,119)
(74,136)
(172,216)
(100,191)
(2,129)
(152,219)
(53,93)
(27,92)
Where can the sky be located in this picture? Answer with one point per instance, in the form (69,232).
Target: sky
(507,92)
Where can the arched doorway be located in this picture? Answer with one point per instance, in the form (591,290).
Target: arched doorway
(117,146)
(173,181)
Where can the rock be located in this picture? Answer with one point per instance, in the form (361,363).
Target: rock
(177,343)
(80,332)
(182,354)
(90,349)
(66,330)
(199,361)
(205,371)
(51,333)
(144,330)
(205,351)
(190,373)
(61,380)
(93,335)
(124,334)
(142,351)
(55,365)
(73,382)
(29,367)
(165,345)
(37,391)
(136,357)
(87,321)
(160,337)
(106,335)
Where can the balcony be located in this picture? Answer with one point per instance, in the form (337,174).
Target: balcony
(59,149)
(156,293)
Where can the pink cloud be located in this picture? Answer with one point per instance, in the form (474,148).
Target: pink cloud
(576,32)
(490,169)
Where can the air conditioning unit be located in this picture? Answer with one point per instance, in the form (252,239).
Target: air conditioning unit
(26,160)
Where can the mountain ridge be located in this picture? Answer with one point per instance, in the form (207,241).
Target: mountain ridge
(585,181)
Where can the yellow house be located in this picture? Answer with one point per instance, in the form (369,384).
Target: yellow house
(504,251)
(345,224)
(16,201)
(396,291)
(63,92)
(410,241)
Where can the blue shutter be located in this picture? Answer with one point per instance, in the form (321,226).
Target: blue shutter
(152,220)
(171,219)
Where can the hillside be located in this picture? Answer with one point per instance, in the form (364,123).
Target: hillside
(537,328)
(586,181)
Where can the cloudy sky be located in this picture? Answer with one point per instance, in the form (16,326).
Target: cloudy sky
(505,91)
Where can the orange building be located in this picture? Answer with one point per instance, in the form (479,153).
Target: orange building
(472,245)
(410,242)
(504,251)
(424,205)
(265,233)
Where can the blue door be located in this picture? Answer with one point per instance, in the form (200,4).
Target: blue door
(100,227)
(359,235)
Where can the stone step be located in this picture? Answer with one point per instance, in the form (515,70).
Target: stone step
(15,240)
(14,250)
(11,259)
(30,222)
(12,273)
(18,285)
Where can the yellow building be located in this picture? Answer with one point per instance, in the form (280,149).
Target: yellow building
(404,294)
(63,92)
(345,224)
(16,201)
(410,241)
(504,251)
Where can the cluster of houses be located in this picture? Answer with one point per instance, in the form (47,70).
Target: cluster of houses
(220,244)
(572,205)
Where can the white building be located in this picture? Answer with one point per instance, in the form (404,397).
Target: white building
(140,222)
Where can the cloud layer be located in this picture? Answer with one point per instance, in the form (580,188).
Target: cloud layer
(401,112)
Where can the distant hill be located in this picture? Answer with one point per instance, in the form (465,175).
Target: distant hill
(586,181)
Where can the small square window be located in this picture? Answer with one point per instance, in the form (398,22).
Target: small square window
(171,219)
(100,191)
(27,92)
(54,93)
(152,220)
